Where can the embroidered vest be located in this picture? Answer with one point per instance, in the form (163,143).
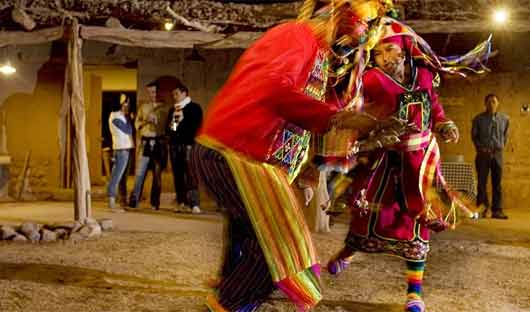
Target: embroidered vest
(291,144)
(415,106)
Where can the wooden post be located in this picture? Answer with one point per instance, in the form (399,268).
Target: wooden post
(23,177)
(65,134)
(74,85)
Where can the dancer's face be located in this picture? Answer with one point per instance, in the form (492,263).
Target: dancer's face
(390,57)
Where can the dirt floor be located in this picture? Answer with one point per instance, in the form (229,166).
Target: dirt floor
(159,261)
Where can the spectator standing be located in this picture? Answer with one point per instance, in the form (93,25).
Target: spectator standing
(122,143)
(490,133)
(152,152)
(184,120)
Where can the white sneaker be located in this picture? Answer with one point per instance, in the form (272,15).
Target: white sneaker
(195,210)
(180,208)
(112,203)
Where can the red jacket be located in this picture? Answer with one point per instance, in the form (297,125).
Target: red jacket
(265,92)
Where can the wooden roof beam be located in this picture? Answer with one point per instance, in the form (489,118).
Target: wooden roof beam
(430,26)
(34,37)
(148,39)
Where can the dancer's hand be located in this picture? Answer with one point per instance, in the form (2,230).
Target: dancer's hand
(451,135)
(308,195)
(448,131)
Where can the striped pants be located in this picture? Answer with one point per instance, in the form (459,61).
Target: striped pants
(246,281)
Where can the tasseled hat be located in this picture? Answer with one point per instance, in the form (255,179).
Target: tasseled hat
(351,28)
(401,34)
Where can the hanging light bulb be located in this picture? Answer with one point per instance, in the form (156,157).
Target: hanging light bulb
(500,16)
(7,69)
(168,25)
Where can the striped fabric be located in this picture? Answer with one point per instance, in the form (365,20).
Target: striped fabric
(415,280)
(245,280)
(338,164)
(428,167)
(336,142)
(279,224)
(415,277)
(414,305)
(333,149)
(429,171)
(414,142)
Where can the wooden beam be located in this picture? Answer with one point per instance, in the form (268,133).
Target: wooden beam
(35,37)
(430,26)
(239,40)
(148,39)
(245,39)
(231,17)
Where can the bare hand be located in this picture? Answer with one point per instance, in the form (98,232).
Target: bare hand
(308,195)
(451,135)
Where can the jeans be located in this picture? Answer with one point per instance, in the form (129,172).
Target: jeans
(143,164)
(121,161)
(186,187)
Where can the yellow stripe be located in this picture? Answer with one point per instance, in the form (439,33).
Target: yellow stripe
(415,274)
(266,205)
(424,165)
(265,233)
(292,253)
(289,199)
(277,217)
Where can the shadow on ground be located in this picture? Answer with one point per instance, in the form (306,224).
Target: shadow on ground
(344,305)
(88,278)
(362,306)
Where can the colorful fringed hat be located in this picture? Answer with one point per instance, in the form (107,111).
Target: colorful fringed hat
(354,28)
(473,61)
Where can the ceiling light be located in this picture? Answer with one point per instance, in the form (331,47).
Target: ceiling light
(500,16)
(168,25)
(7,69)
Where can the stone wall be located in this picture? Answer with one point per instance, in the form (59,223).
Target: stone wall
(32,125)
(463,99)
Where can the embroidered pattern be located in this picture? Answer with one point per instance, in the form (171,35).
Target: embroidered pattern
(415,98)
(410,250)
(290,149)
(318,77)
